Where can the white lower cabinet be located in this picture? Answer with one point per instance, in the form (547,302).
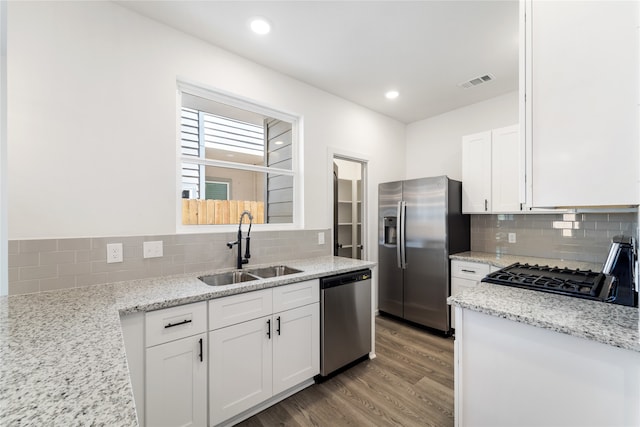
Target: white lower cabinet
(260,358)
(240,368)
(296,346)
(176,366)
(509,373)
(176,383)
(466,275)
(218,362)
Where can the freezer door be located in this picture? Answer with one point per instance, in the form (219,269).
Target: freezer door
(426,277)
(389,274)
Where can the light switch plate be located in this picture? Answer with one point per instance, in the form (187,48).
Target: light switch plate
(512,237)
(321,238)
(114,252)
(152,249)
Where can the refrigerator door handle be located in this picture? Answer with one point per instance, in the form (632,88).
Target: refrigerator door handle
(399,244)
(403,240)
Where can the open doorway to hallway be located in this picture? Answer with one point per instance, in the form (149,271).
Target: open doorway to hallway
(349,189)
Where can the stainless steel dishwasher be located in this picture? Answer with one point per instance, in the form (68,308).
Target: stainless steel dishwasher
(345,319)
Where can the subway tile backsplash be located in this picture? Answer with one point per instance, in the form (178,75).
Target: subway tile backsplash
(579,237)
(48,264)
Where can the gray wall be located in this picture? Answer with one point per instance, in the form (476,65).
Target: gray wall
(580,237)
(48,264)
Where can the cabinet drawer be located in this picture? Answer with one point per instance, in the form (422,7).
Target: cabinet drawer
(239,308)
(295,295)
(175,322)
(469,270)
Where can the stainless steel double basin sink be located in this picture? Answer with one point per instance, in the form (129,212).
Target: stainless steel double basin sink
(241,276)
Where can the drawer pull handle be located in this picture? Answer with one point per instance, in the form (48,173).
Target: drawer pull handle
(171,325)
(468,271)
(278,325)
(269,328)
(200,349)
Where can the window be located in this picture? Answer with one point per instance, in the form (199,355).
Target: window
(235,156)
(216,190)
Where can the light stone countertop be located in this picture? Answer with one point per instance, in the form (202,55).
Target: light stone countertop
(62,356)
(610,324)
(503,260)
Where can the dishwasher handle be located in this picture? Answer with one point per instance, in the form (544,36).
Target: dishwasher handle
(344,279)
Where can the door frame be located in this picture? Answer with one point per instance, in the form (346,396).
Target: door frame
(337,153)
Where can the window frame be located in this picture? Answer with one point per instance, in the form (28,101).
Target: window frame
(237,101)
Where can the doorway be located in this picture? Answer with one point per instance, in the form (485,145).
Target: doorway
(349,230)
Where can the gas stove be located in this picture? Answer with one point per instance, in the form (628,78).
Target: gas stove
(577,283)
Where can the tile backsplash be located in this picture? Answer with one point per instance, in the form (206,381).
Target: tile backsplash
(43,265)
(580,237)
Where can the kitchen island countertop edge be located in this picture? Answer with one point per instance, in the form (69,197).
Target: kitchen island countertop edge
(62,355)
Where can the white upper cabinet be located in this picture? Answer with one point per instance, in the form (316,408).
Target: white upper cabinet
(476,173)
(581,107)
(492,171)
(506,171)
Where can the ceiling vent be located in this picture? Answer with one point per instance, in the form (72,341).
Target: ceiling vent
(476,81)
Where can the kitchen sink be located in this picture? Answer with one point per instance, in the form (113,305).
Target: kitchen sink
(272,271)
(241,276)
(228,278)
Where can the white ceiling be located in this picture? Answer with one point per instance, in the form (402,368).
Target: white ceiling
(360,49)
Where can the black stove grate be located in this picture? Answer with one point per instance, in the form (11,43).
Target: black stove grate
(579,283)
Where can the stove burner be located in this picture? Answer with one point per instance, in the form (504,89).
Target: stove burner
(579,283)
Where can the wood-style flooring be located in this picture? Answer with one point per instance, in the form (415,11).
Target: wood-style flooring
(409,383)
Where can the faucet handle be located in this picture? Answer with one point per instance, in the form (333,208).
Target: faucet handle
(247,253)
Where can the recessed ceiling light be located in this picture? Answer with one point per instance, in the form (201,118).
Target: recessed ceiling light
(260,26)
(392,94)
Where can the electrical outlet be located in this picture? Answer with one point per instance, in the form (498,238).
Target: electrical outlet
(321,238)
(152,249)
(114,252)
(512,237)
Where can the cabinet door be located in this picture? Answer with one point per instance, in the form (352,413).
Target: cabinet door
(176,383)
(296,347)
(476,173)
(584,102)
(240,368)
(506,169)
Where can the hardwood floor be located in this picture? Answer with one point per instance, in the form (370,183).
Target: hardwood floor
(409,383)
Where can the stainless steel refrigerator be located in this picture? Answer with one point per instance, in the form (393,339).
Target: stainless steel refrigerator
(420,224)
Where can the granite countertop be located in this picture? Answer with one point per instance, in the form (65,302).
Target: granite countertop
(610,324)
(503,260)
(62,356)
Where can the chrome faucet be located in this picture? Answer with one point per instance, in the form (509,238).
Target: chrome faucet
(238,242)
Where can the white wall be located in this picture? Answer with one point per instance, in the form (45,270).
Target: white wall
(4,256)
(92,109)
(434,145)
(348,169)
